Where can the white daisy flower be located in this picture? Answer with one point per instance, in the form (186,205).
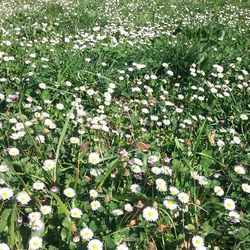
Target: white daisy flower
(94,158)
(150,214)
(234,217)
(229,204)
(170,203)
(74,140)
(95,205)
(202,180)
(245,187)
(5,193)
(35,243)
(23,198)
(183,197)
(117,212)
(60,106)
(218,191)
(161,185)
(49,165)
(3,168)
(95,245)
(174,190)
(122,246)
(93,193)
(69,192)
(34,216)
(239,169)
(75,213)
(13,151)
(197,241)
(152,159)
(45,209)
(40,138)
(128,207)
(86,234)
(36,225)
(4,246)
(136,169)
(156,170)
(135,188)
(38,185)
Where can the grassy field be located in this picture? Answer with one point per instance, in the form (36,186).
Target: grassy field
(124,124)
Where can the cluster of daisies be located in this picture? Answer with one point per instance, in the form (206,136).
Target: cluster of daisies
(51,76)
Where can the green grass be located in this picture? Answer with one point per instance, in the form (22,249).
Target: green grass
(200,121)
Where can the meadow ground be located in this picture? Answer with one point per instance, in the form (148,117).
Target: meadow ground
(124,124)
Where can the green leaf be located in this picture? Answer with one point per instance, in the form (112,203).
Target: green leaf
(244,234)
(4,218)
(111,167)
(65,126)
(61,204)
(12,225)
(65,234)
(209,229)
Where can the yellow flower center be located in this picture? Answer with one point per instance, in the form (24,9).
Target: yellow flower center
(150,214)
(4,194)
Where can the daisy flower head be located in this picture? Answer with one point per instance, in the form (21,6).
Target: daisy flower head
(202,180)
(69,192)
(218,191)
(201,248)
(229,204)
(86,234)
(117,212)
(183,197)
(35,243)
(166,170)
(239,169)
(194,175)
(74,140)
(60,106)
(197,241)
(38,185)
(23,198)
(40,138)
(150,214)
(156,170)
(135,188)
(136,169)
(4,246)
(45,209)
(5,193)
(152,159)
(34,216)
(95,205)
(136,161)
(36,225)
(128,207)
(245,187)
(174,191)
(234,217)
(93,193)
(161,185)
(13,151)
(49,165)
(95,245)
(94,158)
(3,167)
(122,246)
(170,203)
(76,213)
(244,117)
